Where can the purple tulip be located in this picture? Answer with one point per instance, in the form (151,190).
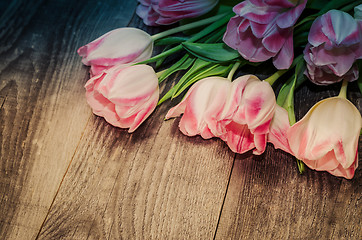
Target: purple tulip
(334,45)
(263,29)
(165,12)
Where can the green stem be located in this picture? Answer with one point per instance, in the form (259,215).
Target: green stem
(212,27)
(233,70)
(186,27)
(161,55)
(194,38)
(343,91)
(158,74)
(289,106)
(275,76)
(301,167)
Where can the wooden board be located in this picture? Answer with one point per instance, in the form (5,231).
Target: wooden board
(44,113)
(148,185)
(67,174)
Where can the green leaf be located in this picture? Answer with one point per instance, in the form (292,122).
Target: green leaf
(161,60)
(215,70)
(212,52)
(351,6)
(215,36)
(335,4)
(183,64)
(196,67)
(219,9)
(317,4)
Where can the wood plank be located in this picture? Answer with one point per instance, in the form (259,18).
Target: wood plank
(153,184)
(282,205)
(44,112)
(268,199)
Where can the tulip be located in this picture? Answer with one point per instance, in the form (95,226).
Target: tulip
(263,29)
(326,138)
(204,108)
(238,112)
(120,46)
(279,127)
(249,127)
(165,12)
(334,45)
(124,95)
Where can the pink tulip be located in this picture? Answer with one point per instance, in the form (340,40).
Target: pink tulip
(120,46)
(165,12)
(326,138)
(124,95)
(279,127)
(204,108)
(334,45)
(238,112)
(263,29)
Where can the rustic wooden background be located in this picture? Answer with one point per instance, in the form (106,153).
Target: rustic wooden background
(67,174)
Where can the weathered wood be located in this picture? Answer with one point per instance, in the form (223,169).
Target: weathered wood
(152,184)
(67,174)
(43,111)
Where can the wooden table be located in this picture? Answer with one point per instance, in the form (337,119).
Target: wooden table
(67,174)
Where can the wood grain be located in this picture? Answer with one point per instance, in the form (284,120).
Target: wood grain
(43,113)
(67,174)
(153,184)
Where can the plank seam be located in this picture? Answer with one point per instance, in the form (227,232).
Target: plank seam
(223,201)
(61,182)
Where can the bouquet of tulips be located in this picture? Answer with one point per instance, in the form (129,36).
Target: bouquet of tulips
(209,40)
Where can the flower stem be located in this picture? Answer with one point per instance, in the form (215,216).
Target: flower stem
(186,27)
(209,29)
(233,70)
(158,74)
(275,76)
(301,167)
(343,91)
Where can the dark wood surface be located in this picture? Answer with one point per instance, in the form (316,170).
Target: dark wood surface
(67,174)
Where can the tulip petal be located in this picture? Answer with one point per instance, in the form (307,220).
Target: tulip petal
(289,18)
(278,130)
(231,37)
(260,141)
(239,138)
(270,32)
(347,173)
(252,48)
(259,101)
(327,136)
(148,14)
(284,59)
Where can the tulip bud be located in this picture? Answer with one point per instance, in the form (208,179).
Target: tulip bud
(326,138)
(264,29)
(124,95)
(238,112)
(120,46)
(333,48)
